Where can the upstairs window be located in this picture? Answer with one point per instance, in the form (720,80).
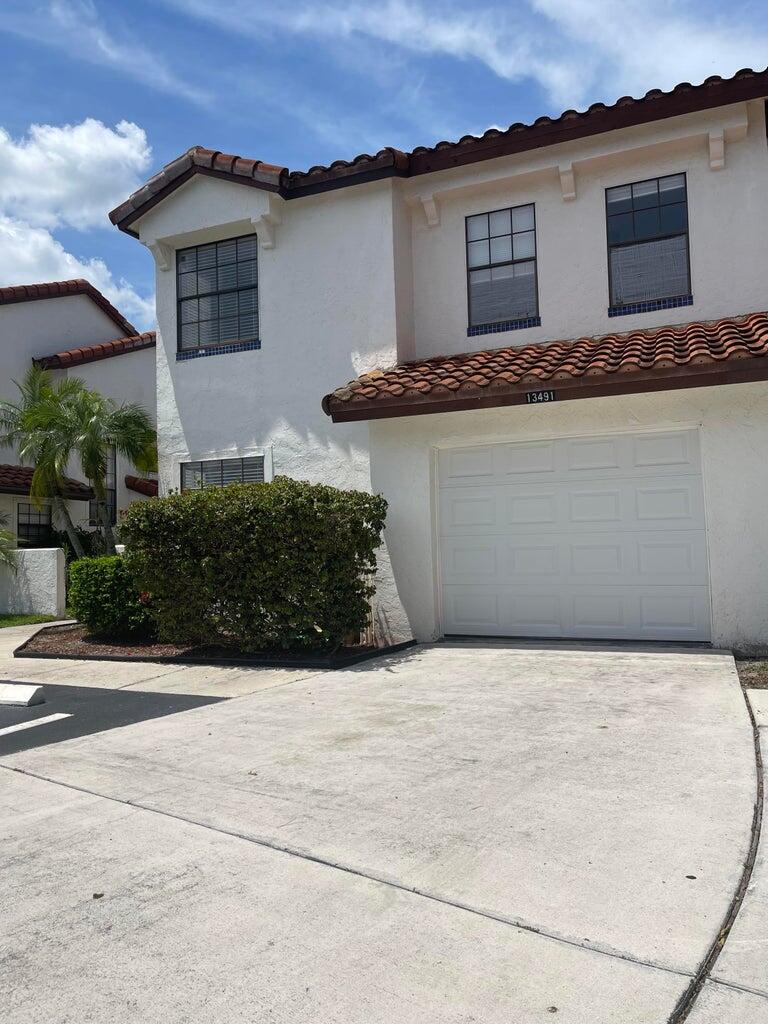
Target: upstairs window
(110,482)
(501,266)
(217,294)
(648,242)
(220,472)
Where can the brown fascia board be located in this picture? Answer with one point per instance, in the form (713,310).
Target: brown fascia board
(742,371)
(626,112)
(97,351)
(197,160)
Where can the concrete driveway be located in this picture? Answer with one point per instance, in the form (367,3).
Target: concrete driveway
(455,834)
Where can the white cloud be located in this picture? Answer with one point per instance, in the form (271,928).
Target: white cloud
(71,174)
(68,176)
(31,254)
(637,45)
(576,50)
(75,27)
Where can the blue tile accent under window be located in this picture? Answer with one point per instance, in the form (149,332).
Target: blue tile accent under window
(505,325)
(217,350)
(649,307)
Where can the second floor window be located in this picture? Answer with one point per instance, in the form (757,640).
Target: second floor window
(648,240)
(501,264)
(220,472)
(217,296)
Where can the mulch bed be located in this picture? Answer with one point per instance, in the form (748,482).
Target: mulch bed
(73,642)
(753,672)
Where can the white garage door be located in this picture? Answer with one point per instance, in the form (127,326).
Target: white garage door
(597,537)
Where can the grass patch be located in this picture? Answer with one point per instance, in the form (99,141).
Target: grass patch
(753,672)
(24,620)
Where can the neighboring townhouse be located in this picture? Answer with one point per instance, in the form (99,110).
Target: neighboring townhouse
(70,328)
(546,347)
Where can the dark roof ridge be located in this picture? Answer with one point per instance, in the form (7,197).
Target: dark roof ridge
(544,131)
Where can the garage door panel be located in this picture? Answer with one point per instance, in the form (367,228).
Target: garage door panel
(531,509)
(592,505)
(667,502)
(601,458)
(610,558)
(536,458)
(584,506)
(473,611)
(595,453)
(465,561)
(471,511)
(591,537)
(604,613)
(468,466)
(679,450)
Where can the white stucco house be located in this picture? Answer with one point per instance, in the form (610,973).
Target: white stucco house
(70,328)
(547,347)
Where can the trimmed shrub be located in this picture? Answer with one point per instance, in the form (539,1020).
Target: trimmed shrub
(278,566)
(104,597)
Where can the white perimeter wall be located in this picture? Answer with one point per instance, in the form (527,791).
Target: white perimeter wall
(37,587)
(733,424)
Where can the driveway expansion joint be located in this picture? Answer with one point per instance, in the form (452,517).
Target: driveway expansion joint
(703,975)
(377,879)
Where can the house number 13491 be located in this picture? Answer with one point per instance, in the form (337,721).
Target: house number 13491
(535,397)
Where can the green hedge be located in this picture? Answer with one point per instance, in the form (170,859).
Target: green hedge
(284,565)
(104,597)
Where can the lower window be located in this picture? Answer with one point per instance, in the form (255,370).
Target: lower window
(220,472)
(33,525)
(110,480)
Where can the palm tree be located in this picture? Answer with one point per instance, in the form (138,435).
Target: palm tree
(33,426)
(99,426)
(7,544)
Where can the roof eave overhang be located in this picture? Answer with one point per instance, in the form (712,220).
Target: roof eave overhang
(23,492)
(598,120)
(124,222)
(741,371)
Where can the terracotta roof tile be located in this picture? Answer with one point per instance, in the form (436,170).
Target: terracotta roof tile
(639,358)
(142,485)
(59,289)
(388,162)
(103,350)
(17,480)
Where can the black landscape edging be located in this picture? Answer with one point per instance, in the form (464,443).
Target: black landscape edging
(329,661)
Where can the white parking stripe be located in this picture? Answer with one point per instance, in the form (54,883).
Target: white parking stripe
(35,721)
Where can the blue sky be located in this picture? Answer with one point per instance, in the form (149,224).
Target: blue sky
(98,94)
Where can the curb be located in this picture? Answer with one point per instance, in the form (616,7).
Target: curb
(328,661)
